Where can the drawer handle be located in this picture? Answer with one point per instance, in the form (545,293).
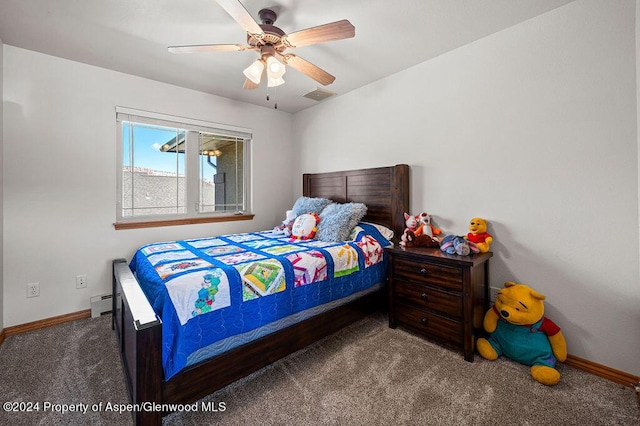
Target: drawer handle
(424,296)
(424,320)
(423,271)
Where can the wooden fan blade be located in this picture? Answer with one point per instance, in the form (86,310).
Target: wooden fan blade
(249,85)
(328,32)
(208,48)
(242,17)
(308,69)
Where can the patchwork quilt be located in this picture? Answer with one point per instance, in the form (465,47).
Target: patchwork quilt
(209,289)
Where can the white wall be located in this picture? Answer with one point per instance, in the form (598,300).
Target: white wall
(1,197)
(638,99)
(533,128)
(60,175)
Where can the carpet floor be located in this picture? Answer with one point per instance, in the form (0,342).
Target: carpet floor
(366,374)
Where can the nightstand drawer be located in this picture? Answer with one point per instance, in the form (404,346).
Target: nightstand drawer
(442,276)
(425,297)
(439,295)
(446,330)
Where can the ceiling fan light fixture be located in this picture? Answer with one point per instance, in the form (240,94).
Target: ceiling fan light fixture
(254,71)
(273,82)
(275,69)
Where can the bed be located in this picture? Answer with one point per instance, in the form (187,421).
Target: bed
(145,323)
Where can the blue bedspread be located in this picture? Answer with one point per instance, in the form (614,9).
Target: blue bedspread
(210,289)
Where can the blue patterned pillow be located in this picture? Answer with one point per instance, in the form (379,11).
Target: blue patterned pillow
(310,205)
(337,221)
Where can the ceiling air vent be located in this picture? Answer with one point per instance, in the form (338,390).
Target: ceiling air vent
(319,94)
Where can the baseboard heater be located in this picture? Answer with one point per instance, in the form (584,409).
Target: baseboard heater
(101,305)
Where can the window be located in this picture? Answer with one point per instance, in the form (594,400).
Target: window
(174,170)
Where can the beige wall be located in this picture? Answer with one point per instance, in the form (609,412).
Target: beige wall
(533,128)
(1,193)
(60,182)
(638,102)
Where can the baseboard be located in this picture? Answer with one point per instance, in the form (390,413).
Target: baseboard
(600,370)
(596,369)
(44,323)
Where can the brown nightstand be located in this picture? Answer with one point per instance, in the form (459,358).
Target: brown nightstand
(441,296)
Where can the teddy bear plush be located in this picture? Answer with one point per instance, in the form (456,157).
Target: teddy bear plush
(413,240)
(478,234)
(520,331)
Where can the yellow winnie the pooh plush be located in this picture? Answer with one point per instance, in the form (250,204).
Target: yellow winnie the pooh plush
(478,234)
(520,331)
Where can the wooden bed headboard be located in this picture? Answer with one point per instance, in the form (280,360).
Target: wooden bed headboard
(384,190)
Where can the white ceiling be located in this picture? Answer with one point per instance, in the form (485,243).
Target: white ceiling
(132,36)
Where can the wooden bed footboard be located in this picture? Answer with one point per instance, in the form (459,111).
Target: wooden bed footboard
(139,334)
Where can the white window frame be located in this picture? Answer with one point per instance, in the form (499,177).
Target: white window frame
(192,193)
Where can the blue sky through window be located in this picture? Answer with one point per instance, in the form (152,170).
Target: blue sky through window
(147,141)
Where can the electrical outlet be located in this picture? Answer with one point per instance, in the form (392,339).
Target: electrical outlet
(493,293)
(81,281)
(33,289)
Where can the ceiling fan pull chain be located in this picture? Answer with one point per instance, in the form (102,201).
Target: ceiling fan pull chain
(270,42)
(275,95)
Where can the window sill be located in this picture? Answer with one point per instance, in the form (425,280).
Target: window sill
(186,221)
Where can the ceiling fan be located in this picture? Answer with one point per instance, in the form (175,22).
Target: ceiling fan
(271,42)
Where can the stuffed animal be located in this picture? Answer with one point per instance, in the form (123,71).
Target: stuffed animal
(286,225)
(413,240)
(478,234)
(453,244)
(520,331)
(426,227)
(411,223)
(419,224)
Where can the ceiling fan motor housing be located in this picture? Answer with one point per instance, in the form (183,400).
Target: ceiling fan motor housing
(272,34)
(267,16)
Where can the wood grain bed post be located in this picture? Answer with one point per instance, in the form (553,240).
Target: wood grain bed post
(140,338)
(399,197)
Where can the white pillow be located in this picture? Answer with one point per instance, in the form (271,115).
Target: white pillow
(305,226)
(386,232)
